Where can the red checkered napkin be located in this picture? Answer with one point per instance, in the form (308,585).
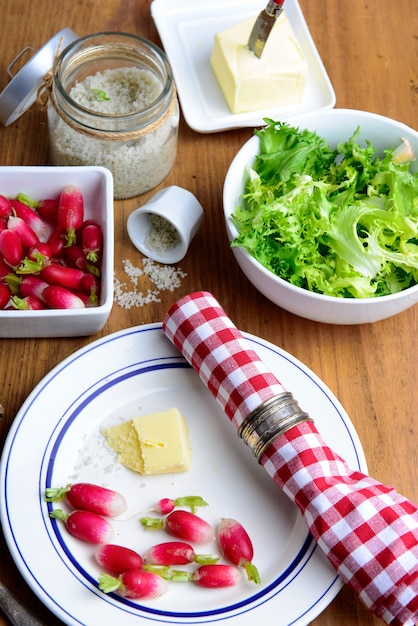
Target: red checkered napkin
(368,531)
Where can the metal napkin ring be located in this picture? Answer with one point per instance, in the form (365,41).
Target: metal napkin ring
(269,420)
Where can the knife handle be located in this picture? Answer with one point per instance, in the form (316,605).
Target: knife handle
(274,8)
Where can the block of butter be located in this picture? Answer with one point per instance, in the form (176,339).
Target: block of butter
(156,443)
(250,83)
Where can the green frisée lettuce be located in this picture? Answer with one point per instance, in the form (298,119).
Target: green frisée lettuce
(341,222)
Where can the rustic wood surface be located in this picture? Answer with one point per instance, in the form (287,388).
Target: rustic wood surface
(370,51)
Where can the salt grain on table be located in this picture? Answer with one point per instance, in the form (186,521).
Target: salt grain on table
(163,277)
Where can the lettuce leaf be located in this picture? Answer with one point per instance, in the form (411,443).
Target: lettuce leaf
(340,222)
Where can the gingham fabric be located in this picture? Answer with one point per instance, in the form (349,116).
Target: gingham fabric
(219,353)
(368,531)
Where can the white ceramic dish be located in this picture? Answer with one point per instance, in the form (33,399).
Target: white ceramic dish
(187,29)
(96,184)
(180,209)
(55,439)
(335,125)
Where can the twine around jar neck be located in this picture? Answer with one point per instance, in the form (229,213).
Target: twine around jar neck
(45,96)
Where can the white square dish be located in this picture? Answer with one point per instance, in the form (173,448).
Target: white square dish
(187,29)
(96,185)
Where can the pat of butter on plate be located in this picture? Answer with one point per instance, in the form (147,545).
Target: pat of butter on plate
(156,443)
(250,83)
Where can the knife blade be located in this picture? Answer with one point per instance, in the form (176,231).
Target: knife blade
(263,26)
(17,612)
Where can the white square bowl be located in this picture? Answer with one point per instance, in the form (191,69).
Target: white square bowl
(96,185)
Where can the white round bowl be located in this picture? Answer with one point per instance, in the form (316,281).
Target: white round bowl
(335,126)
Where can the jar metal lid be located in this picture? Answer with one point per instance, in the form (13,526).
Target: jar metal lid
(19,95)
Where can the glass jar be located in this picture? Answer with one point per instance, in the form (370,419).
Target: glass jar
(113,103)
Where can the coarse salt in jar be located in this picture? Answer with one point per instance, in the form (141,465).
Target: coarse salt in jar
(113,103)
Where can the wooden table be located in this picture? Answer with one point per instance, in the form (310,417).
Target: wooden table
(370,52)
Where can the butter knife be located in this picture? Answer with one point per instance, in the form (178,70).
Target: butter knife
(263,26)
(17,613)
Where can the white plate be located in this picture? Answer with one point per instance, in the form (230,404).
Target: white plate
(55,439)
(187,29)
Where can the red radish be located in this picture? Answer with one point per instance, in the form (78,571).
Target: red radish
(32,286)
(4,268)
(57,242)
(85,525)
(183,525)
(92,241)
(236,547)
(48,209)
(213,575)
(176,553)
(11,248)
(89,497)
(57,297)
(38,257)
(70,212)
(117,559)
(75,257)
(39,226)
(166,505)
(90,221)
(40,248)
(3,223)
(56,274)
(29,303)
(5,207)
(91,286)
(89,301)
(135,583)
(5,294)
(26,234)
